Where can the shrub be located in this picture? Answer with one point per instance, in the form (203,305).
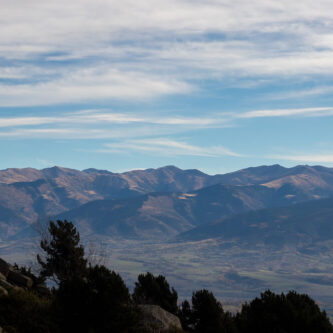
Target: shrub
(292,312)
(152,289)
(22,311)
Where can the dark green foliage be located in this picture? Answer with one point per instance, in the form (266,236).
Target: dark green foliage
(23,312)
(152,289)
(64,256)
(207,313)
(185,315)
(288,313)
(100,302)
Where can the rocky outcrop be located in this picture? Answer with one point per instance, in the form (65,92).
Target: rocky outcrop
(11,278)
(6,285)
(5,268)
(19,279)
(3,291)
(2,277)
(157,320)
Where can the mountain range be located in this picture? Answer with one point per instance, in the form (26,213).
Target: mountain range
(162,203)
(302,223)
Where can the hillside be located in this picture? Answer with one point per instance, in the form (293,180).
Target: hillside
(302,223)
(164,215)
(155,201)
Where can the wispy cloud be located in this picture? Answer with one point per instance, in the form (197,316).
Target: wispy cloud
(305,112)
(164,146)
(83,51)
(109,124)
(315,158)
(313,92)
(97,83)
(93,117)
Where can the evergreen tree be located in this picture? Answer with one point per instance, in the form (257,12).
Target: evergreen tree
(155,290)
(207,313)
(288,313)
(64,256)
(185,316)
(100,302)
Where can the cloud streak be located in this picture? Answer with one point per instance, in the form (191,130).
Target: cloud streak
(305,112)
(105,124)
(90,117)
(165,146)
(315,158)
(97,83)
(60,52)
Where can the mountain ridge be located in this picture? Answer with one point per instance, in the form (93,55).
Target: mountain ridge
(305,221)
(30,194)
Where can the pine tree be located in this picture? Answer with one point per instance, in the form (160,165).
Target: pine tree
(64,256)
(155,290)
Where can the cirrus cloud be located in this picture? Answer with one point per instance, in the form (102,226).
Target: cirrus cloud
(79,51)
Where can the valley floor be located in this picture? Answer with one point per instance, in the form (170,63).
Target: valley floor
(235,273)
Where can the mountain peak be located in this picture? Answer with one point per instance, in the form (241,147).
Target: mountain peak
(170,167)
(56,171)
(93,170)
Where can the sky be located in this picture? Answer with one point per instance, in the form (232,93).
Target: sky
(120,85)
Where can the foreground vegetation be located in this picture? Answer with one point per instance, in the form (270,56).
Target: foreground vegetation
(91,298)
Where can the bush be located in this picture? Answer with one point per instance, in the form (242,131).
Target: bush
(99,302)
(206,315)
(292,312)
(23,312)
(155,290)
(207,312)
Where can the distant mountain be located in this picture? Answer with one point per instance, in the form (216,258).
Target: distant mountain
(163,215)
(10,224)
(306,222)
(29,194)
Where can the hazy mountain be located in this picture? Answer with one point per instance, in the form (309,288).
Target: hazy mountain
(305,222)
(10,223)
(29,194)
(163,215)
(32,193)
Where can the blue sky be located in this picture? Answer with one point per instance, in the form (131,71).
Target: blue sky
(119,85)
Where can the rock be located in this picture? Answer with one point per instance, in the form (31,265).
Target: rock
(19,279)
(2,277)
(156,319)
(3,292)
(5,268)
(6,285)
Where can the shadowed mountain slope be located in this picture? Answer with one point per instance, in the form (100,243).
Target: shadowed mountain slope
(163,215)
(33,193)
(10,223)
(305,222)
(30,194)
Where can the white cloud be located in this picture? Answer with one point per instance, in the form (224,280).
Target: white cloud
(310,112)
(96,124)
(25,121)
(90,84)
(93,117)
(142,49)
(164,146)
(315,158)
(81,133)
